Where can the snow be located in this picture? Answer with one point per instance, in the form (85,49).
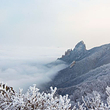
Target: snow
(35,100)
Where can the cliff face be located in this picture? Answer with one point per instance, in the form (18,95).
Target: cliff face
(83,65)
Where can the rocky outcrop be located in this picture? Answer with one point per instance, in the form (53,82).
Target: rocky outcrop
(72,64)
(76,54)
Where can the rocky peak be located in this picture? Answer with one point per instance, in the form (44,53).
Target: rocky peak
(80,47)
(74,55)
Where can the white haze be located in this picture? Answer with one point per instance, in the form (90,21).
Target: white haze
(21,67)
(60,23)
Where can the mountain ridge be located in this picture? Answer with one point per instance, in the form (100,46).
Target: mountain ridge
(83,70)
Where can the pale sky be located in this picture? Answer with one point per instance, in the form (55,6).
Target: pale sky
(54,23)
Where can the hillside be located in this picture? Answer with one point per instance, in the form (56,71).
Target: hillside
(87,70)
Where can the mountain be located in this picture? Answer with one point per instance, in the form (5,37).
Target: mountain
(84,61)
(87,70)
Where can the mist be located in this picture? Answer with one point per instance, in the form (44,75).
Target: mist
(20,67)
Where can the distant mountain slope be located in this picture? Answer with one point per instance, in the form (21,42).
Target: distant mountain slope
(85,61)
(100,74)
(95,80)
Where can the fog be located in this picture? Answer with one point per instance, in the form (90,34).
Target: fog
(21,67)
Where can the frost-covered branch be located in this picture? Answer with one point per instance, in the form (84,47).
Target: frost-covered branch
(34,100)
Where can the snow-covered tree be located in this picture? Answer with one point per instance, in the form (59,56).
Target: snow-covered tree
(35,100)
(32,100)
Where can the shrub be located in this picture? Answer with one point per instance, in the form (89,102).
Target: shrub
(34,100)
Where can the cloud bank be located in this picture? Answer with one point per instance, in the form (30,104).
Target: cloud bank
(22,67)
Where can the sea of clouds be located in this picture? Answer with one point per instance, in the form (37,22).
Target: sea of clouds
(21,67)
